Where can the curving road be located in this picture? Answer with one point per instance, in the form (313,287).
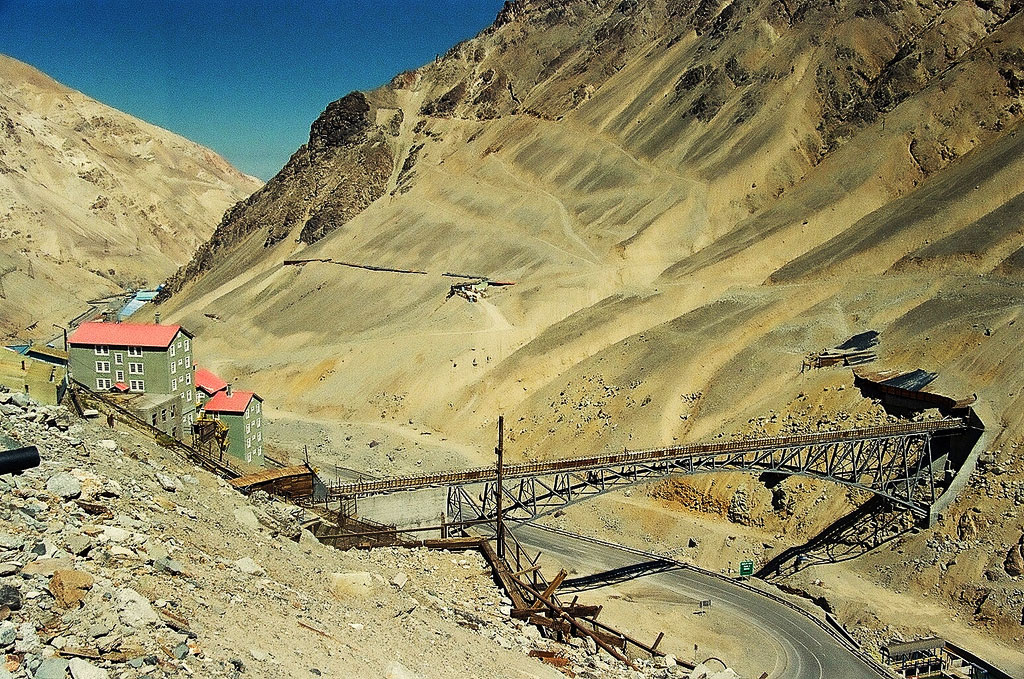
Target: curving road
(802,649)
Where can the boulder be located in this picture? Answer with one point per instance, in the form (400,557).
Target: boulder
(64,485)
(8,634)
(1014,562)
(52,668)
(83,669)
(68,587)
(168,483)
(135,609)
(246,518)
(10,597)
(967,528)
(353,584)
(249,567)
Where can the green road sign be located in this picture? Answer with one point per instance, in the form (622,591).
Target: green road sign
(746,568)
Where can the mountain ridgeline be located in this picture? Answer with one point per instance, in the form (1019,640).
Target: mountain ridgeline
(94,201)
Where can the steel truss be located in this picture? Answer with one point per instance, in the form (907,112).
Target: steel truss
(899,467)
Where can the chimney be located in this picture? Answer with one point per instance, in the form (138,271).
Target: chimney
(157,318)
(227,392)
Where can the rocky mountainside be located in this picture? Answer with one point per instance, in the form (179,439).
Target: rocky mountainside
(93,200)
(689,197)
(118,559)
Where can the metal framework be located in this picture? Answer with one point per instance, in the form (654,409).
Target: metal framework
(893,461)
(897,467)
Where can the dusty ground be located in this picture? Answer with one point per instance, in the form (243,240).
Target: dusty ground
(180,575)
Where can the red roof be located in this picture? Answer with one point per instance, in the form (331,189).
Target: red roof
(121,386)
(126,334)
(209,382)
(234,404)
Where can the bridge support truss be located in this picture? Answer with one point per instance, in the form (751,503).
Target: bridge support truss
(900,468)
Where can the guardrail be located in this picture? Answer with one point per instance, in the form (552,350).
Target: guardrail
(593,462)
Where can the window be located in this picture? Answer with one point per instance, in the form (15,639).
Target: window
(174,384)
(247,428)
(163,415)
(102,383)
(102,366)
(136,368)
(137,385)
(135,351)
(259,437)
(186,344)
(119,359)
(188,378)
(172,351)
(182,396)
(120,375)
(259,451)
(259,423)
(188,361)
(102,350)
(248,442)
(181,362)
(154,419)
(174,367)
(189,395)
(257,406)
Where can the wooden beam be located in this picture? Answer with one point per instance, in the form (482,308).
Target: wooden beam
(611,650)
(552,586)
(531,569)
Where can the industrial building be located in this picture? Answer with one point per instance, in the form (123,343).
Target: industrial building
(149,365)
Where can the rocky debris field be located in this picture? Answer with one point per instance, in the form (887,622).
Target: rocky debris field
(118,559)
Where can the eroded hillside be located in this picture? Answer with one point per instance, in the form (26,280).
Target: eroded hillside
(689,196)
(93,200)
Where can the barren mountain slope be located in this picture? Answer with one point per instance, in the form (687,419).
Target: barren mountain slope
(93,200)
(689,196)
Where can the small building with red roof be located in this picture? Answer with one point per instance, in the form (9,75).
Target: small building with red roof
(141,359)
(242,413)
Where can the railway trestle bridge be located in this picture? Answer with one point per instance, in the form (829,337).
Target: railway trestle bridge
(903,463)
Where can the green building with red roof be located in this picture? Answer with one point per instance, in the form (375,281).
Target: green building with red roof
(149,364)
(242,413)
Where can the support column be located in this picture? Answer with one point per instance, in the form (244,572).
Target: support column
(498,488)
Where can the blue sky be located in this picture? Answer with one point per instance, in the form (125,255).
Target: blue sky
(244,78)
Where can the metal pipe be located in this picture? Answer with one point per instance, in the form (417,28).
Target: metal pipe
(18,460)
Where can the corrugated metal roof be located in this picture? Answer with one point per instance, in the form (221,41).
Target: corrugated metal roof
(269,475)
(208,382)
(147,335)
(234,404)
(916,646)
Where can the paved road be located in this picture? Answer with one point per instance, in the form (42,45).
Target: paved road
(799,648)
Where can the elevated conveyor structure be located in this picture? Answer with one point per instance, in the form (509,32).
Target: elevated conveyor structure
(895,461)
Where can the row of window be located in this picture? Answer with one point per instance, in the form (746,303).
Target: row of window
(184,363)
(103,383)
(133,368)
(248,454)
(182,344)
(249,439)
(102,350)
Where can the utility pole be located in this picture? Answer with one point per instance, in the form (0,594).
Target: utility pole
(61,327)
(499,451)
